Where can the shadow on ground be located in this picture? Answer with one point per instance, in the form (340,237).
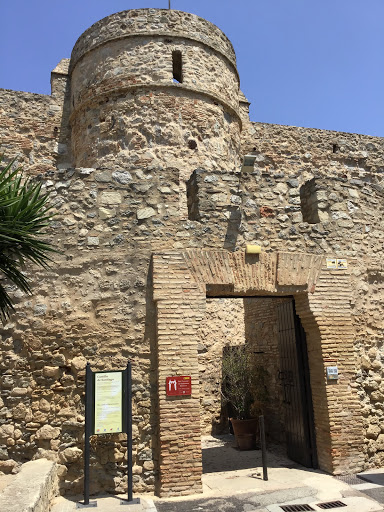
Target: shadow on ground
(219,454)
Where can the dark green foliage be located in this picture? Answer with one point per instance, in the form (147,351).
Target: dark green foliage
(243,382)
(24,213)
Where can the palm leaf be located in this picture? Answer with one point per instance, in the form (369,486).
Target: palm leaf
(25,212)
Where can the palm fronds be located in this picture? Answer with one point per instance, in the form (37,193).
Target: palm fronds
(24,213)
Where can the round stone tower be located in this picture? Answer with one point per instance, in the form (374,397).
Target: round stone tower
(154,87)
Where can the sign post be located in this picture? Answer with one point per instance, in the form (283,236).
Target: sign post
(108,410)
(87,435)
(263,448)
(128,429)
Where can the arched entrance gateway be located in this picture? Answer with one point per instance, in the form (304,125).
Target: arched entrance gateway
(321,297)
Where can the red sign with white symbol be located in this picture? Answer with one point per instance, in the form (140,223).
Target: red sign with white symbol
(178,386)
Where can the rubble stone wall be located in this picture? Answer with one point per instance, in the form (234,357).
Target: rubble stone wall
(176,127)
(30,129)
(95,304)
(154,21)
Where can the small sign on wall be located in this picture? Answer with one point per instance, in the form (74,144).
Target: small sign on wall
(337,264)
(332,373)
(179,386)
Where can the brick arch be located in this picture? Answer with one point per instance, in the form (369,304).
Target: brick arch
(180,280)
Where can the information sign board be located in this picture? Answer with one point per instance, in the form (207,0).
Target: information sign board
(178,386)
(108,410)
(108,402)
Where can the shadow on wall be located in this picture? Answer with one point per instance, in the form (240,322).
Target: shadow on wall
(63,133)
(262,334)
(150,336)
(233,226)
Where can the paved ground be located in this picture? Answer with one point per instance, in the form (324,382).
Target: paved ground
(376,494)
(232,482)
(235,503)
(104,504)
(371,483)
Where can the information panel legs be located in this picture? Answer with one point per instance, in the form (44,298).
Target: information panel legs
(128,429)
(87,435)
(108,410)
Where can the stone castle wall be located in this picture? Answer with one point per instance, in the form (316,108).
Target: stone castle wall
(149,21)
(29,129)
(311,191)
(95,304)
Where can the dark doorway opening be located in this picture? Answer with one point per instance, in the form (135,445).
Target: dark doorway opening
(297,396)
(273,331)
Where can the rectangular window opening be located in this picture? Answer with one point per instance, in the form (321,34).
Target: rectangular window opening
(309,202)
(177,63)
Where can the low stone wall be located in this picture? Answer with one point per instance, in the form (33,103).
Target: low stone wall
(32,489)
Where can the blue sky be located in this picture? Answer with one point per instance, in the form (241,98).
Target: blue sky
(309,63)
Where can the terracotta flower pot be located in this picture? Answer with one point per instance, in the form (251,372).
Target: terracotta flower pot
(246,433)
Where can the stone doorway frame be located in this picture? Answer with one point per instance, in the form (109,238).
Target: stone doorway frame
(322,303)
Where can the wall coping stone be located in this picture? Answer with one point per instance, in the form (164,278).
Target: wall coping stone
(33,488)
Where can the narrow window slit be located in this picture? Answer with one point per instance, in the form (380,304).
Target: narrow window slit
(177,63)
(309,202)
(193,198)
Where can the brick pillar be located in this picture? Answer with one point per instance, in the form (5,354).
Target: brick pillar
(331,304)
(179,311)
(327,320)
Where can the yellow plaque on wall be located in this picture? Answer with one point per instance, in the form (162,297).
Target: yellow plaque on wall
(108,402)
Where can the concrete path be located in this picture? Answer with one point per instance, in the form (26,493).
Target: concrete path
(105,503)
(232,482)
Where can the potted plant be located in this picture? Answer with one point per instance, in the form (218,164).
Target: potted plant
(244,390)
